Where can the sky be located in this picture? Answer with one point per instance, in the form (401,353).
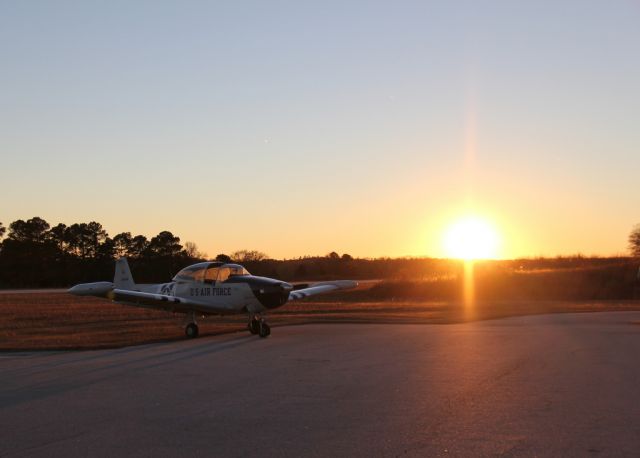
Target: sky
(300,128)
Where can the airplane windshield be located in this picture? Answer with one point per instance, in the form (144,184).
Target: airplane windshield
(224,273)
(210,272)
(192,273)
(211,275)
(237,270)
(229,270)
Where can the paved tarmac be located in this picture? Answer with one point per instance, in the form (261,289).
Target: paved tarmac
(553,385)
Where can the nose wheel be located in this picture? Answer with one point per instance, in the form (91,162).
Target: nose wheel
(259,326)
(265,330)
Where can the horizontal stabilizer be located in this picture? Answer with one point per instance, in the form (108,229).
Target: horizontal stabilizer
(99,289)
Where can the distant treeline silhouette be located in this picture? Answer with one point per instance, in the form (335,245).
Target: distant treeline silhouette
(616,279)
(33,255)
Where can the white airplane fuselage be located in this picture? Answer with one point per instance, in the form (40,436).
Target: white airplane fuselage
(216,299)
(207,288)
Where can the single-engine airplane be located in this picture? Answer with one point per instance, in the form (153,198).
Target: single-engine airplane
(207,288)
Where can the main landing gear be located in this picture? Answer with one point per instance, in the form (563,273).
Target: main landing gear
(258,326)
(191,329)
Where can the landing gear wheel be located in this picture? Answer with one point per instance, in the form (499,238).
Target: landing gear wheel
(265,330)
(191,330)
(254,326)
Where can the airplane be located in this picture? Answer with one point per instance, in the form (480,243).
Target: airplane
(207,288)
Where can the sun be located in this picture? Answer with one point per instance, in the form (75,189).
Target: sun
(470,238)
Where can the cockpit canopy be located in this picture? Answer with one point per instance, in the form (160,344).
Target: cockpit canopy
(210,272)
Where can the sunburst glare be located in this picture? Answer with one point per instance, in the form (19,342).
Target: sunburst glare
(471,238)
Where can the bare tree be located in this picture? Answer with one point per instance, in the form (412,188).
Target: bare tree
(191,250)
(634,241)
(248,256)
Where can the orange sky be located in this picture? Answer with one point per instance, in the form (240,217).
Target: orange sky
(299,130)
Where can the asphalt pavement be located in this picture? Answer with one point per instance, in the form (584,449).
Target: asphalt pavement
(550,385)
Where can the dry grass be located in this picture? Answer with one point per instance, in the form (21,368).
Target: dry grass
(58,321)
(61,321)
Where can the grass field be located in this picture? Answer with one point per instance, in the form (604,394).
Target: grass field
(59,321)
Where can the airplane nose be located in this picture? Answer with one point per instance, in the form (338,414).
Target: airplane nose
(285,289)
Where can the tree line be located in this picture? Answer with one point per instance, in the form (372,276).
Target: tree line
(33,255)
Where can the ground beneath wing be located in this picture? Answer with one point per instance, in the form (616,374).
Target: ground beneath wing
(321,287)
(159,301)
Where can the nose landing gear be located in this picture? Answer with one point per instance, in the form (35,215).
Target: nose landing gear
(258,326)
(265,330)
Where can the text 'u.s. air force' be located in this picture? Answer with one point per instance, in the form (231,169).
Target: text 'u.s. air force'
(196,292)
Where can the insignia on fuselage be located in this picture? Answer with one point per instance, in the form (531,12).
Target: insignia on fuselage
(208,291)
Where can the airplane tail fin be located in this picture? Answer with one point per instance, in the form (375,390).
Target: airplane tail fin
(123,278)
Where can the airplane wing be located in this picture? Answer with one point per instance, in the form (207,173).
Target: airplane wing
(159,301)
(321,287)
